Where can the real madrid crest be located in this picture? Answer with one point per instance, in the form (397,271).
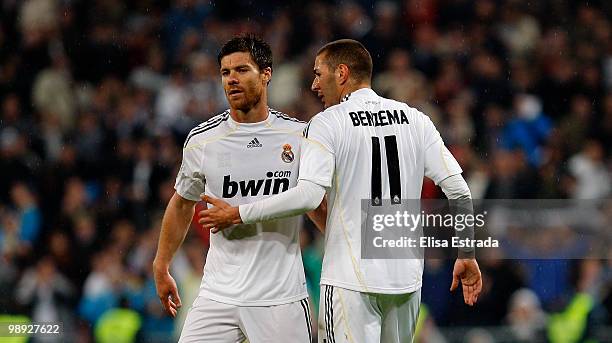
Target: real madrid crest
(287,155)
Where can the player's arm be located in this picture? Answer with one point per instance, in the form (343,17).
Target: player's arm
(466,269)
(319,215)
(174,227)
(460,200)
(175,223)
(443,169)
(304,197)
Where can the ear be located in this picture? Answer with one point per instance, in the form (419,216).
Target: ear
(267,74)
(342,73)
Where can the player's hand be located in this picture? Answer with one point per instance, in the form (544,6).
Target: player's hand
(220,216)
(167,291)
(468,272)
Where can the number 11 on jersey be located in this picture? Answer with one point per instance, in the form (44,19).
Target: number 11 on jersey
(393,171)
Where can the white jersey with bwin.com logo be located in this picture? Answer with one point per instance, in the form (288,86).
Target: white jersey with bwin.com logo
(369,147)
(255,264)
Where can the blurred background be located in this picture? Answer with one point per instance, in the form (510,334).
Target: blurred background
(97,96)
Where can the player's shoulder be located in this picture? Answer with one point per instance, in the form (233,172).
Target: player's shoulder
(413,113)
(326,119)
(392,103)
(286,121)
(336,109)
(329,114)
(206,128)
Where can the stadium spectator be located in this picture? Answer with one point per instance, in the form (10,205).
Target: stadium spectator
(526,318)
(48,294)
(589,171)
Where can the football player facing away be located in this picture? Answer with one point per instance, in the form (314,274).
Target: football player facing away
(253,285)
(362,146)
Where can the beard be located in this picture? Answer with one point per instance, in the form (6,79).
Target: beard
(246,102)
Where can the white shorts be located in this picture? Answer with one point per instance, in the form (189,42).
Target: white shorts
(214,322)
(350,316)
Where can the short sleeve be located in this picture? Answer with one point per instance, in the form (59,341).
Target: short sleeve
(439,162)
(317,161)
(190,180)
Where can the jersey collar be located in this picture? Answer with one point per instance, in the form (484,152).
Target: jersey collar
(360,93)
(252,126)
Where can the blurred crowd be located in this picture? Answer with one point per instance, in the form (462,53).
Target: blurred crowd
(96,97)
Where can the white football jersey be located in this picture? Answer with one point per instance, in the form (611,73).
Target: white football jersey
(369,147)
(255,264)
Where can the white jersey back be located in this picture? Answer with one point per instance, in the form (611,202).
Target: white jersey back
(369,147)
(256,264)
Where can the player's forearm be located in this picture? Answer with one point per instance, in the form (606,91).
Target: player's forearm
(304,197)
(319,215)
(460,199)
(174,227)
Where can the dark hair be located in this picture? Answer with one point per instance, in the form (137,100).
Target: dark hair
(349,52)
(260,51)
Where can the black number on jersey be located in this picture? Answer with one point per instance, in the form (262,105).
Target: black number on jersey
(393,169)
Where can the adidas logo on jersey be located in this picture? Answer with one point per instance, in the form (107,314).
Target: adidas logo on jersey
(275,183)
(254,143)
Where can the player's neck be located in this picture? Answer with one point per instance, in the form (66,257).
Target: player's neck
(354,88)
(255,114)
